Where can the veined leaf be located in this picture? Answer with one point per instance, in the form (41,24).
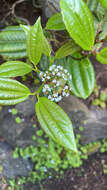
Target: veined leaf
(35,42)
(79,22)
(44,63)
(67,49)
(13,43)
(46,47)
(14,69)
(12,28)
(9,47)
(83,76)
(56,123)
(14,55)
(55,22)
(103,3)
(12,92)
(102,56)
(25,28)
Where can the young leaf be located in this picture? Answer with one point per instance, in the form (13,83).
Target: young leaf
(67,49)
(103,3)
(14,69)
(12,92)
(83,77)
(56,123)
(102,56)
(35,42)
(79,22)
(55,22)
(46,47)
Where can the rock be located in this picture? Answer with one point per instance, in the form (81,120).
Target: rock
(95,126)
(12,167)
(51,7)
(26,108)
(18,134)
(94,120)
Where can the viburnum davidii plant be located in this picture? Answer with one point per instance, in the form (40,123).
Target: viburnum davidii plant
(69,69)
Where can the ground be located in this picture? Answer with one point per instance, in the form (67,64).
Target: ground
(91,175)
(88,177)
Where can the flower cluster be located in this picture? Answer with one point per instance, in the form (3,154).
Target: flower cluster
(56,83)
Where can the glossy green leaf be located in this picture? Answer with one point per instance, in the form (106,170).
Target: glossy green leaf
(103,3)
(46,47)
(13,43)
(14,55)
(14,69)
(35,42)
(79,22)
(55,22)
(102,56)
(12,28)
(12,92)
(25,28)
(44,63)
(83,76)
(56,123)
(67,49)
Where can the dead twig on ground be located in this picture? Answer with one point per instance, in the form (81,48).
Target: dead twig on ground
(13,12)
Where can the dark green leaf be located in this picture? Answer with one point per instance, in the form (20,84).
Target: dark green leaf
(12,92)
(14,69)
(79,22)
(102,56)
(56,123)
(83,76)
(44,63)
(55,22)
(67,49)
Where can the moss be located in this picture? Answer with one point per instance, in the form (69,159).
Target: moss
(51,160)
(18,120)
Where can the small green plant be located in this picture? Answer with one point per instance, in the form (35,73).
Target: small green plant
(18,120)
(51,160)
(14,111)
(69,71)
(101,99)
(104,146)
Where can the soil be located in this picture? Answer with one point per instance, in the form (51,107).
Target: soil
(88,177)
(91,175)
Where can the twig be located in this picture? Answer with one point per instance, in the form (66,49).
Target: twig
(4,18)
(14,14)
(12,11)
(100,74)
